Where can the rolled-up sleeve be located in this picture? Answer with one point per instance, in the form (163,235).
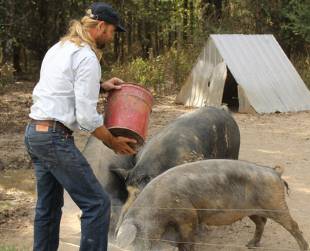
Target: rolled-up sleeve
(86,89)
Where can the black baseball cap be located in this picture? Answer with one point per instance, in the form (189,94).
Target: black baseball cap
(105,12)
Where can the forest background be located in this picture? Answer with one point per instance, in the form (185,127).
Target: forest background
(163,38)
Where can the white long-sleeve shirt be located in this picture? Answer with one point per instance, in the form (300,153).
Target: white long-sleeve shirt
(68,89)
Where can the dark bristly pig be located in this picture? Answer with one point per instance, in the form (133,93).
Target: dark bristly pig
(212,192)
(103,161)
(206,133)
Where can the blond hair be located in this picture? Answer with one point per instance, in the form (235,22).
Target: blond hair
(78,33)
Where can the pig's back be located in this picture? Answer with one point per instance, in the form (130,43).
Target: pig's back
(216,184)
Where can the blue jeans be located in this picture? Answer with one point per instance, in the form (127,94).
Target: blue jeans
(60,165)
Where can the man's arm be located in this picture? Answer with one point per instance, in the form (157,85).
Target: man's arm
(86,88)
(118,144)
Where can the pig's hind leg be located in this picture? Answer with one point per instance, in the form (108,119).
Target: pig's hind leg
(187,240)
(285,220)
(186,247)
(259,229)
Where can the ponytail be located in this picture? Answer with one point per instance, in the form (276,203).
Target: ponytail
(78,34)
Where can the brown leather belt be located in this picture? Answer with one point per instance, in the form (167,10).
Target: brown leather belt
(52,123)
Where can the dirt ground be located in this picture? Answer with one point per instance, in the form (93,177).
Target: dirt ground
(276,139)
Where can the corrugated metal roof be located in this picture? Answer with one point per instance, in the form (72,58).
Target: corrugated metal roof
(196,90)
(259,65)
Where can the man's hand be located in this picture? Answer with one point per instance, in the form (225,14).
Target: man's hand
(120,145)
(113,83)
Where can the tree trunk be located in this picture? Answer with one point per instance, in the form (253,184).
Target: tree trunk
(25,59)
(122,52)
(129,33)
(6,44)
(16,59)
(116,46)
(43,7)
(211,8)
(204,13)
(218,8)
(5,52)
(191,17)
(185,20)
(258,18)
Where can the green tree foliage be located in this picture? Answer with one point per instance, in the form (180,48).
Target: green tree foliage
(155,28)
(295,28)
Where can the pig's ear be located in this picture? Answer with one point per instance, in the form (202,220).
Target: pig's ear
(122,173)
(126,235)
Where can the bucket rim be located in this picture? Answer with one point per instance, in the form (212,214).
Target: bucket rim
(138,86)
(141,140)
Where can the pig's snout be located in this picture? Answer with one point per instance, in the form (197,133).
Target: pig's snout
(126,235)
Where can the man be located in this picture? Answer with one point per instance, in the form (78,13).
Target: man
(65,99)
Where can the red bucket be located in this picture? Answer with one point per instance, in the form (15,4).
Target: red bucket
(127,112)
